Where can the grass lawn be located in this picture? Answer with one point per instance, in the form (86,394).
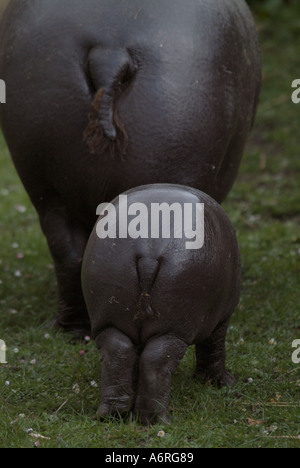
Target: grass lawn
(52,385)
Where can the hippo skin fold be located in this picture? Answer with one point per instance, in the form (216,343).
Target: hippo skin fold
(151,298)
(107,95)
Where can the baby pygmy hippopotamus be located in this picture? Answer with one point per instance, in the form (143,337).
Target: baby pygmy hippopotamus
(161,272)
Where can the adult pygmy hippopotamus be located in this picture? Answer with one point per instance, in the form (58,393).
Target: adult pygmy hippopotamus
(106,95)
(149,298)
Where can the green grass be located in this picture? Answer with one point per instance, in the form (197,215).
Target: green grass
(263,410)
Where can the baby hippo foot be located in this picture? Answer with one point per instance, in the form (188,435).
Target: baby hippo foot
(211,357)
(119,360)
(226,380)
(118,406)
(158,362)
(221,379)
(148,411)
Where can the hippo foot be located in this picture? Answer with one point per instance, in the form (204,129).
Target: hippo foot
(224,379)
(211,358)
(227,380)
(106,411)
(140,381)
(76,324)
(149,411)
(147,418)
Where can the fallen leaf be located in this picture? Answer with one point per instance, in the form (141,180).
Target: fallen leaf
(254,422)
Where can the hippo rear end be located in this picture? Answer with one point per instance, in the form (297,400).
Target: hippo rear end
(106,95)
(152,293)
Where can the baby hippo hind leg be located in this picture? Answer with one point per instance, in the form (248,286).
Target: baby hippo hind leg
(211,357)
(158,361)
(119,365)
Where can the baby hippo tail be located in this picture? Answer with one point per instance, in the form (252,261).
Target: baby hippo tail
(147,269)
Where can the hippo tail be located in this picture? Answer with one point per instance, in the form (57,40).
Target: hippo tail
(109,72)
(147,269)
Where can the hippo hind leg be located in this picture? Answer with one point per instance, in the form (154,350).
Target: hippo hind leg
(67,241)
(119,364)
(211,357)
(158,361)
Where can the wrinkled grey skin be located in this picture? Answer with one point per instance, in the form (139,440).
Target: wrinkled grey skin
(174,86)
(149,299)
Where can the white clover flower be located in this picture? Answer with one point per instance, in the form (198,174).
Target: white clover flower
(21,208)
(76,388)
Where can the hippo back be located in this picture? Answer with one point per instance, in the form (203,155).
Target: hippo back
(151,286)
(174,94)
